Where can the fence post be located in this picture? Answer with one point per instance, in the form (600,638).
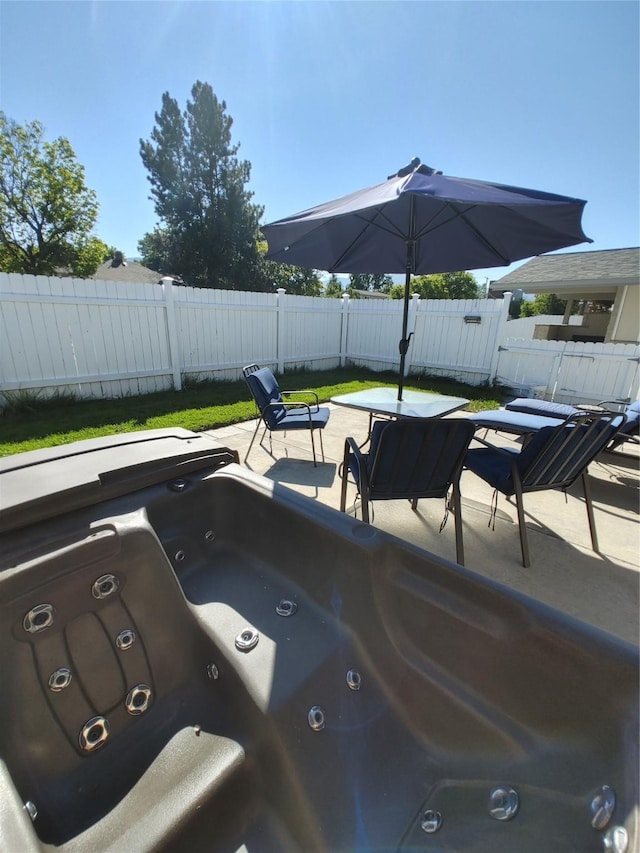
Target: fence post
(343,329)
(280,329)
(504,317)
(172,332)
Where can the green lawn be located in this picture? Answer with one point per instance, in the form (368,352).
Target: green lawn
(28,423)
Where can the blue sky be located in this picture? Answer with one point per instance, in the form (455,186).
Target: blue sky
(330,97)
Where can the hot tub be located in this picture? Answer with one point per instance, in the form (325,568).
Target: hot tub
(196,658)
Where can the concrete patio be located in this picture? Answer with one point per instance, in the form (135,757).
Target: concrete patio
(602,589)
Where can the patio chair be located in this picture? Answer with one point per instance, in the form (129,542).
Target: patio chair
(279,414)
(553,457)
(411,458)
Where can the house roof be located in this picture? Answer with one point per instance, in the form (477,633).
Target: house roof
(117,269)
(593,274)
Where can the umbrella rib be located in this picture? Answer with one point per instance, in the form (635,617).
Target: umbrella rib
(367,223)
(392,229)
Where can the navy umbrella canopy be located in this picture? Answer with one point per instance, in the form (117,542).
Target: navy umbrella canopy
(420,221)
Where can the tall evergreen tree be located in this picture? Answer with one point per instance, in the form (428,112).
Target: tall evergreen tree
(209,227)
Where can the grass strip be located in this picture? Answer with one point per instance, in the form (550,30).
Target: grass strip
(29,422)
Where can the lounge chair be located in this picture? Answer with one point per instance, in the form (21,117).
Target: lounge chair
(630,431)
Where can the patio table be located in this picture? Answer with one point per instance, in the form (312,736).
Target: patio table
(414,404)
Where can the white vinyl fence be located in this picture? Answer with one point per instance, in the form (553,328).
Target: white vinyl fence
(109,339)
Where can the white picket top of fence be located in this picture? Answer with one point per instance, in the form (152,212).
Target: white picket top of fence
(108,339)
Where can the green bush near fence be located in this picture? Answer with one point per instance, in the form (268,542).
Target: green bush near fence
(29,421)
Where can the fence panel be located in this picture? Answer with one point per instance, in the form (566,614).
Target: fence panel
(92,338)
(447,345)
(374,330)
(219,331)
(311,332)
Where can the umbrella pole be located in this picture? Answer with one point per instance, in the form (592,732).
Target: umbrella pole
(404,343)
(409,267)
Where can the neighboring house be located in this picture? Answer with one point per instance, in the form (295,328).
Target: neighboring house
(119,269)
(601,278)
(370,294)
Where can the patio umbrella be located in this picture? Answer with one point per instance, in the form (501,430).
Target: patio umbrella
(420,221)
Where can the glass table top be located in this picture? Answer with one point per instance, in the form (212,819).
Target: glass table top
(414,404)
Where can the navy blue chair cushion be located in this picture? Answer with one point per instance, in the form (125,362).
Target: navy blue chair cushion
(493,467)
(299,419)
(562,410)
(264,387)
(496,466)
(517,422)
(541,407)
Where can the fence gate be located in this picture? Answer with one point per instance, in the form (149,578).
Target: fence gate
(589,376)
(571,372)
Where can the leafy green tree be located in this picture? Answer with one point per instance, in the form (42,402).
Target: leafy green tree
(333,288)
(445,285)
(295,280)
(397,291)
(543,303)
(368,281)
(304,282)
(208,230)
(46,211)
(90,255)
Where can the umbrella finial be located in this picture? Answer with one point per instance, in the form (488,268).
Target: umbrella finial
(427,170)
(406,170)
